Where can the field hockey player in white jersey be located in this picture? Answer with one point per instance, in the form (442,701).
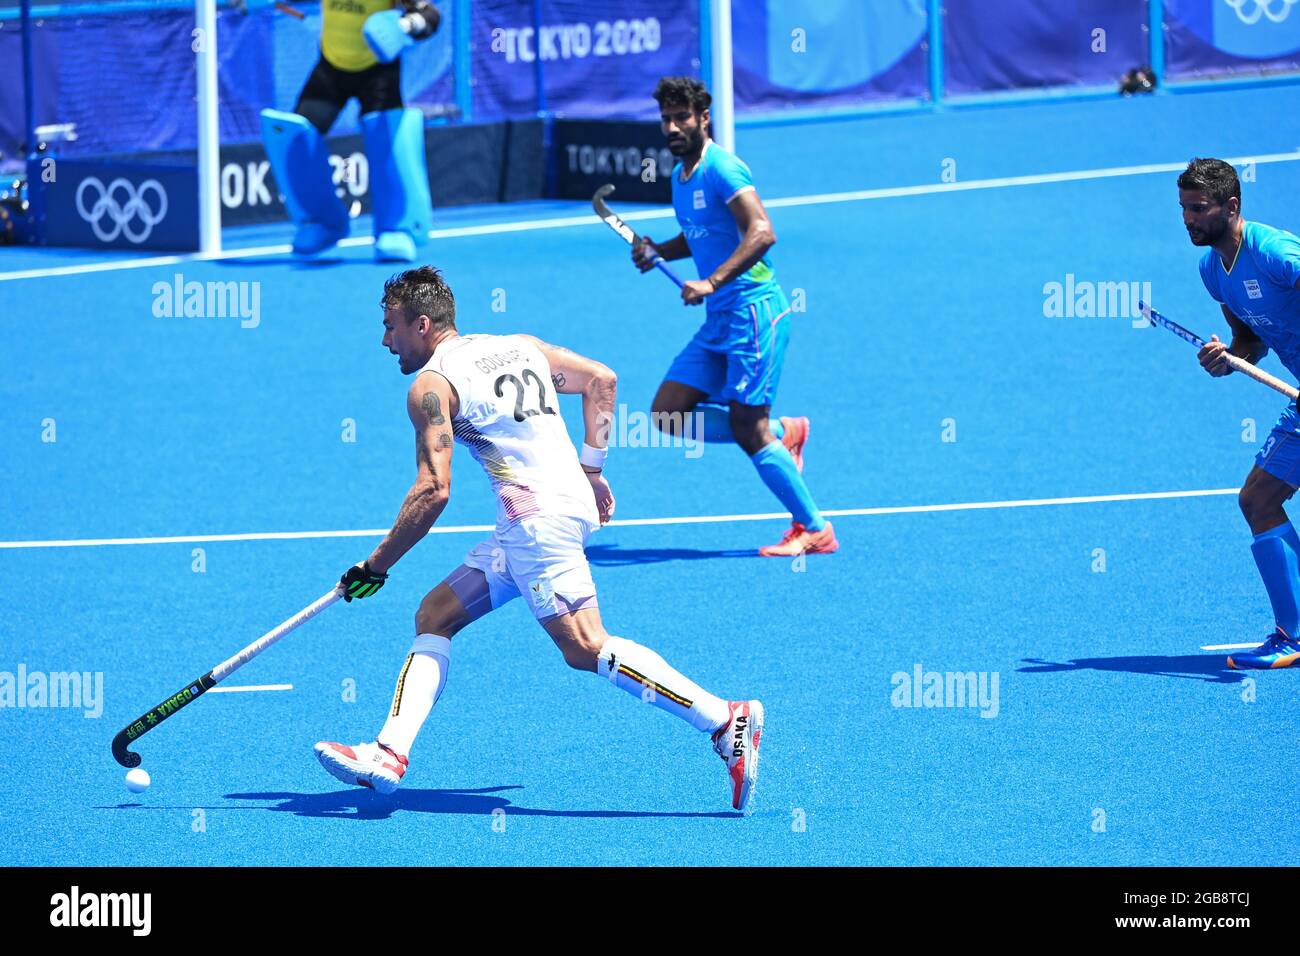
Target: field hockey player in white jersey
(496,395)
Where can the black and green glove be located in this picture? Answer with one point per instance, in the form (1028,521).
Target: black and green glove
(360,582)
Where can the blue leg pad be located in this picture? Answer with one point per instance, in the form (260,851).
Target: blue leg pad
(399,182)
(300,160)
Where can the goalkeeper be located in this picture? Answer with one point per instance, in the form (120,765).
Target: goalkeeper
(361,45)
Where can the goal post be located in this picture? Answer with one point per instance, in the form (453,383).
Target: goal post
(209,135)
(718,71)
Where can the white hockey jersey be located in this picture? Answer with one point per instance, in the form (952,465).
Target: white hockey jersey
(509,420)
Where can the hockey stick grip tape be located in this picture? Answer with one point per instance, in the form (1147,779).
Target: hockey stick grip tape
(1259,375)
(232,664)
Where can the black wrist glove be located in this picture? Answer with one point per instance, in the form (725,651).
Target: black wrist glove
(360,582)
(427,13)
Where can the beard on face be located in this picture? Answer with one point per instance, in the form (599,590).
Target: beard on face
(1210,234)
(686,142)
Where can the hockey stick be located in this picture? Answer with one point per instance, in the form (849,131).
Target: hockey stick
(1239,364)
(195,689)
(623,229)
(242,7)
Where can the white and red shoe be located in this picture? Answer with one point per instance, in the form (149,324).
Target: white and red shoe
(795,437)
(366,765)
(736,742)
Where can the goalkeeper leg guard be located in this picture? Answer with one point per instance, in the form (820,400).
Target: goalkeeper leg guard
(300,160)
(399,182)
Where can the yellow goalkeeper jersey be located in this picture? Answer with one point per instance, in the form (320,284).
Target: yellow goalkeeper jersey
(341,40)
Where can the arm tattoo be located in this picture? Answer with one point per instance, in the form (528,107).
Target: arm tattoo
(424,456)
(433,408)
(444,440)
(558,380)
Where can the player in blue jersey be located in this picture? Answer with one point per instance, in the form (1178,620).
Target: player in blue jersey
(1253,272)
(728,373)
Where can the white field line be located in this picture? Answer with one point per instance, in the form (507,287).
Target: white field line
(627,523)
(245,688)
(1230,647)
(564,222)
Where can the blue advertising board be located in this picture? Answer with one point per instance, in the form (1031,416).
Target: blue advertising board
(1217,37)
(801,53)
(592,58)
(105,204)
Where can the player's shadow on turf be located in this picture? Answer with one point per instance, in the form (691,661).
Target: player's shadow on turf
(608,555)
(364,805)
(1212,668)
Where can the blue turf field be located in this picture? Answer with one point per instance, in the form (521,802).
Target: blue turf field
(920,308)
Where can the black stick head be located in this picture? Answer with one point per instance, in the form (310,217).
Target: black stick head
(127,758)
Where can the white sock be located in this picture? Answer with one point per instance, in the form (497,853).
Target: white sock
(643,673)
(418,688)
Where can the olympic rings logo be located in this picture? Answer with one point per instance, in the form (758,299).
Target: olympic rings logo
(132,216)
(1262,8)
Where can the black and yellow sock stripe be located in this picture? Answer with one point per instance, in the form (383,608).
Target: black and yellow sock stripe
(657,688)
(401,681)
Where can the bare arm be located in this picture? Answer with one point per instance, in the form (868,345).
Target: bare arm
(430,407)
(757,236)
(1245,343)
(674,248)
(574,374)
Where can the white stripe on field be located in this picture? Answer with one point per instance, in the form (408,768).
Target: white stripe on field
(563,222)
(1036,179)
(629,522)
(1230,647)
(241,688)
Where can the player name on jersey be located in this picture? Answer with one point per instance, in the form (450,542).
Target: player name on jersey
(509,421)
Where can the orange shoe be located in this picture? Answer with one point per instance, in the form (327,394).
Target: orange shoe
(799,540)
(796,434)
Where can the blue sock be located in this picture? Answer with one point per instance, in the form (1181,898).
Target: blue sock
(1277,555)
(716,420)
(776,468)
(713,424)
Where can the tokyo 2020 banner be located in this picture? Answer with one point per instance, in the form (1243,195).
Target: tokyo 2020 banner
(594,58)
(1218,37)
